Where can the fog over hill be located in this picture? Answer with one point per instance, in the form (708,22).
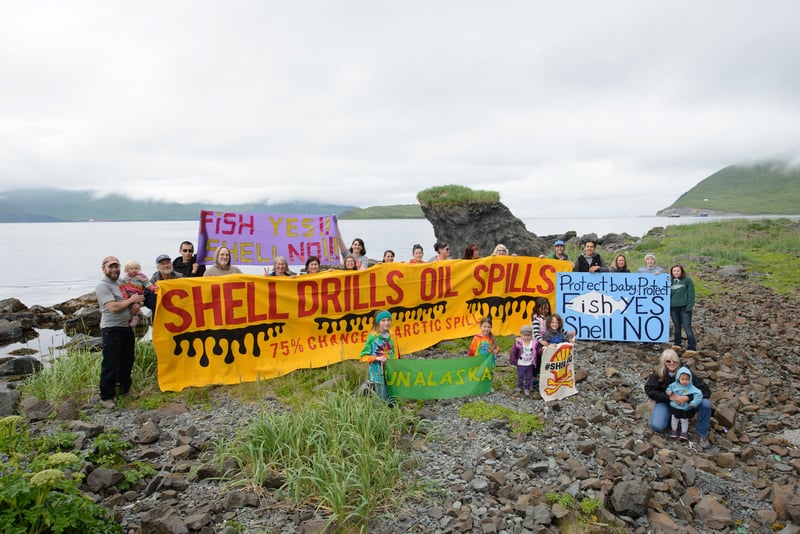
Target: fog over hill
(58,205)
(762,188)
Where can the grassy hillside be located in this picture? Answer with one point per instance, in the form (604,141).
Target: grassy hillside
(771,187)
(396,211)
(56,205)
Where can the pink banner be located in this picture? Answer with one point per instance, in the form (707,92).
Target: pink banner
(257,238)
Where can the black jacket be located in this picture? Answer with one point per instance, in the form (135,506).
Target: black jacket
(656,388)
(178,265)
(582,266)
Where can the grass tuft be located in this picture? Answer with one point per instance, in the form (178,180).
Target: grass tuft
(454,195)
(340,453)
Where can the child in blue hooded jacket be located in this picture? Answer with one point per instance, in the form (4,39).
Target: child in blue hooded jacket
(683,411)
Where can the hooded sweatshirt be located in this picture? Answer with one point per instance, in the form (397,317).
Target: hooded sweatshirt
(689,389)
(682,293)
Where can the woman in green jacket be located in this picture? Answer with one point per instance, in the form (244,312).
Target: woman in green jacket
(681,305)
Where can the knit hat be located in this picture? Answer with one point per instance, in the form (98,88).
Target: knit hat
(526,329)
(382,315)
(650,255)
(558,242)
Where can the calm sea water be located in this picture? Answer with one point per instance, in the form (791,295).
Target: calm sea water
(48,263)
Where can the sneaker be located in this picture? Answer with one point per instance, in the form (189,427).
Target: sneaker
(704,444)
(674,434)
(684,436)
(518,391)
(527,393)
(108,404)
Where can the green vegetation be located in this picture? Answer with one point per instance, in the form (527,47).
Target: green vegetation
(454,195)
(770,187)
(519,422)
(77,376)
(341,453)
(397,211)
(39,488)
(582,516)
(766,248)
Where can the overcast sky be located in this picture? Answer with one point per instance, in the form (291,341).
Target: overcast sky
(569,107)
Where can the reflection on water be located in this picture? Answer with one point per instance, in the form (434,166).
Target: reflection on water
(45,347)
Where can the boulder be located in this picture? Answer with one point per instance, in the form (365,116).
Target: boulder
(486,224)
(20,366)
(9,398)
(630,498)
(71,306)
(84,321)
(10,331)
(11,305)
(18,322)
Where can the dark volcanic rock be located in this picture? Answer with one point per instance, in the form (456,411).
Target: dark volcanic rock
(19,323)
(486,225)
(85,321)
(71,306)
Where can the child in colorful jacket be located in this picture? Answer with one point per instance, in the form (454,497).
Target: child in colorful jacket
(523,356)
(378,348)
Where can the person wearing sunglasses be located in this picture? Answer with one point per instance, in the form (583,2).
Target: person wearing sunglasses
(656,388)
(186,263)
(442,251)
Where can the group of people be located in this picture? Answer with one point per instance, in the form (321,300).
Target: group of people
(678,393)
(681,288)
(358,252)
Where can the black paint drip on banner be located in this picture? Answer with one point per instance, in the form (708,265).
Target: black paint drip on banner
(235,337)
(501,307)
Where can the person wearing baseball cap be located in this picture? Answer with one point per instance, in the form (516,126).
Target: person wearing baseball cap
(116,332)
(559,246)
(166,270)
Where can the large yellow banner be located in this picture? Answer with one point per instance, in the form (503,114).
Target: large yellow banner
(243,328)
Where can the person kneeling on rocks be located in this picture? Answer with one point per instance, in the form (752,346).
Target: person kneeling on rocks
(656,388)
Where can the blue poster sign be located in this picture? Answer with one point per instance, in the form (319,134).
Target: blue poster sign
(615,306)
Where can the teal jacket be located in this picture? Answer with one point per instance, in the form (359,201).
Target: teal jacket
(682,293)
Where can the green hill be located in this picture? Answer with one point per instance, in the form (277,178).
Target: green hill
(57,205)
(396,211)
(764,188)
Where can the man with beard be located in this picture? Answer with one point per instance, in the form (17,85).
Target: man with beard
(166,271)
(117,334)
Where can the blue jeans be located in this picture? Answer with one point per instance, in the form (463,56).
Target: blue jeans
(381,390)
(119,345)
(660,418)
(683,319)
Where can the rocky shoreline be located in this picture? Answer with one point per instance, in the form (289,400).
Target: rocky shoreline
(597,444)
